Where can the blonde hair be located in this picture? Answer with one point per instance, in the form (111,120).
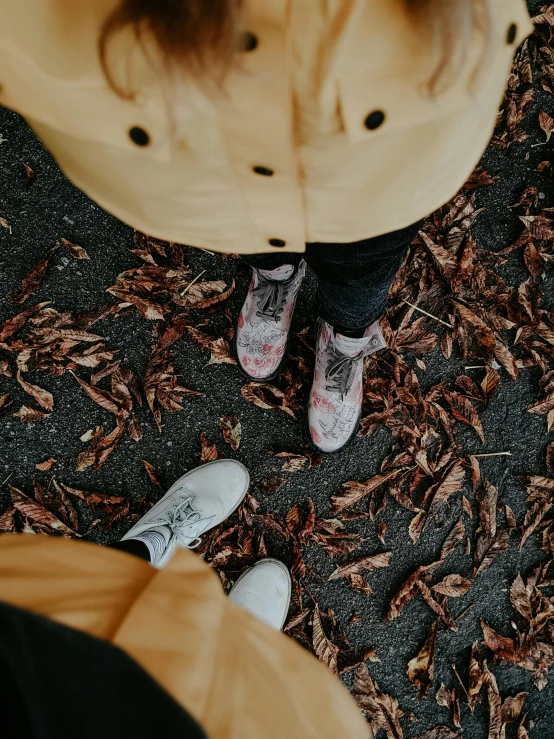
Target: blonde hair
(203,36)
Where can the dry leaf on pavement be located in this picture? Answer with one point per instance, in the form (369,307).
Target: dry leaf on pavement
(421,667)
(43,397)
(454,586)
(154,474)
(232,431)
(266,396)
(32,281)
(357,566)
(382,710)
(208,451)
(46,465)
(449,699)
(76,251)
(35,512)
(30,415)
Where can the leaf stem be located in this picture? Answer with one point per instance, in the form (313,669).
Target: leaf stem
(188,287)
(430,315)
(493,454)
(453,666)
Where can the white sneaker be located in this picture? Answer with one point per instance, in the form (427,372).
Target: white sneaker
(264,321)
(199,500)
(335,403)
(265,592)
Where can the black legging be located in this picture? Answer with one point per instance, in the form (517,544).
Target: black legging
(133,546)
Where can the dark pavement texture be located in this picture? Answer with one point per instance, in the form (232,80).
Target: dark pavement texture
(52,208)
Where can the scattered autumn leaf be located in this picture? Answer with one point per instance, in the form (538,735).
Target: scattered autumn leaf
(77,252)
(46,465)
(266,396)
(232,431)
(208,451)
(154,474)
(32,281)
(546,123)
(30,415)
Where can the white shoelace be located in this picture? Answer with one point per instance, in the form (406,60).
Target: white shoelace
(182,516)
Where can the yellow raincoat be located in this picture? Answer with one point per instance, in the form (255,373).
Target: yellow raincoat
(237,677)
(324,135)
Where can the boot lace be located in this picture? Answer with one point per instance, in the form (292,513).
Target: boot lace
(181,518)
(340,374)
(272,297)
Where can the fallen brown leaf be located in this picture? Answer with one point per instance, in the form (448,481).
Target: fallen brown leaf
(266,396)
(324,648)
(476,678)
(546,123)
(495,703)
(512,707)
(94,500)
(46,465)
(232,431)
(30,176)
(464,410)
(352,492)
(7,523)
(204,294)
(363,563)
(454,586)
(421,667)
(208,451)
(5,401)
(147,308)
(382,710)
(77,252)
(449,699)
(300,524)
(43,397)
(101,448)
(219,348)
(454,539)
(12,325)
(154,474)
(487,498)
(30,415)
(37,513)
(101,397)
(533,518)
(32,281)
(502,646)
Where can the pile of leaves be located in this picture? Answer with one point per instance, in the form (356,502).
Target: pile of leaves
(448,297)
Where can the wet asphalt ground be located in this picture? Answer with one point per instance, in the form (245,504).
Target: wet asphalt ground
(52,208)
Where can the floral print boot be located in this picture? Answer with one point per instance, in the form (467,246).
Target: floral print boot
(335,403)
(264,321)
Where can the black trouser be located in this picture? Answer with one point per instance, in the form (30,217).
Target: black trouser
(59,683)
(353,279)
